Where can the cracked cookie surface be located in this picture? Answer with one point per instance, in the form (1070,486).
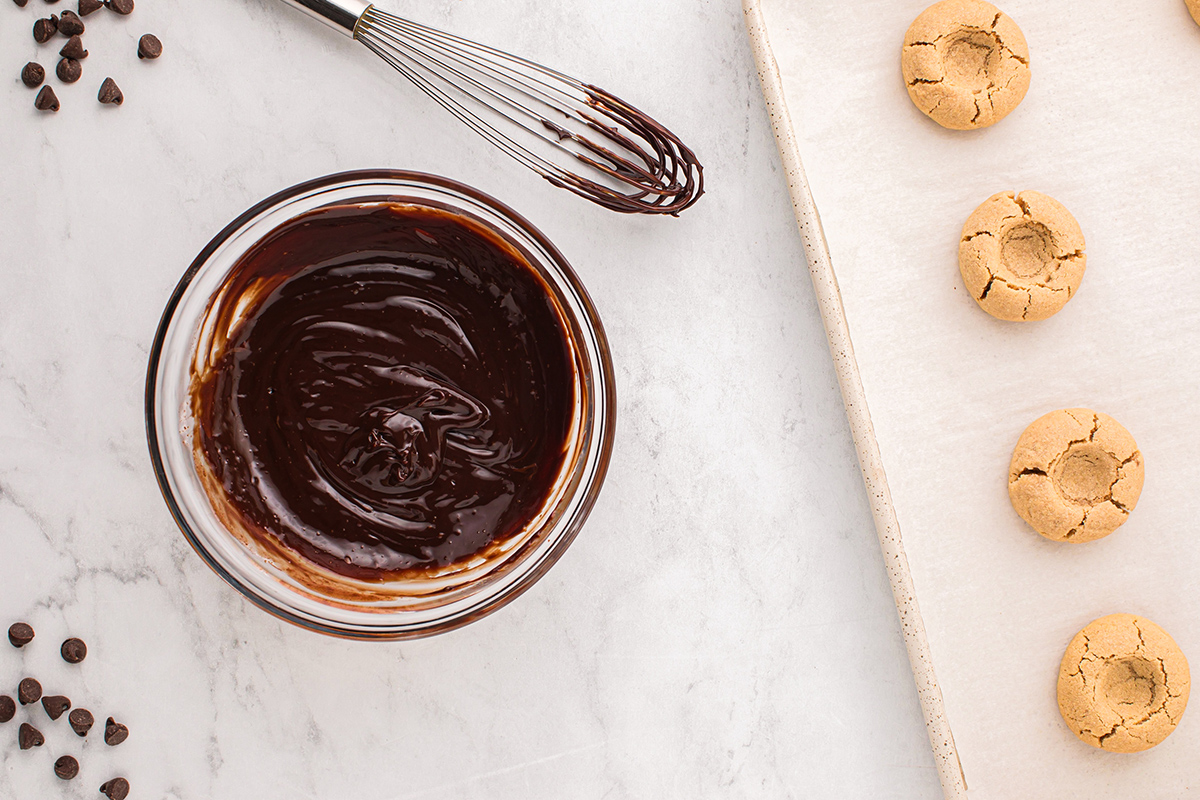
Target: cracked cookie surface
(965,63)
(1075,475)
(1021,256)
(1123,684)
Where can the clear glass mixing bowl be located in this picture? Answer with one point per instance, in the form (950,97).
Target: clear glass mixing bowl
(371,610)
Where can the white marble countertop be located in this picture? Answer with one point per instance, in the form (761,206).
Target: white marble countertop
(722,627)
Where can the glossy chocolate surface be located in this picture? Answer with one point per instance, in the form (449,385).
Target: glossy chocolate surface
(392,389)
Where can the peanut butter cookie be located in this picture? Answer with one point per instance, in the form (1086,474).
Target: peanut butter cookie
(965,63)
(1123,684)
(1075,475)
(1194,7)
(1021,256)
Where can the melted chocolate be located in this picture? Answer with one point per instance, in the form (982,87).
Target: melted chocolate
(395,390)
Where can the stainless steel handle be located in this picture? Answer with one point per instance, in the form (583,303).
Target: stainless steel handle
(341,15)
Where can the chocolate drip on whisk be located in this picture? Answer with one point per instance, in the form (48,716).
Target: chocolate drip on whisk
(577,136)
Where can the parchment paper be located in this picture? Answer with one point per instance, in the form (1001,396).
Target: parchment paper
(1110,128)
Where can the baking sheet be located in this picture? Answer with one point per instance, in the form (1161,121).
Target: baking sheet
(1110,128)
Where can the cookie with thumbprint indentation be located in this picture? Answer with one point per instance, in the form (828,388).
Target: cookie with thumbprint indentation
(1123,684)
(1021,256)
(1075,475)
(965,63)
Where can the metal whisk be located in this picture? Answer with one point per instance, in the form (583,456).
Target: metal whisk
(575,135)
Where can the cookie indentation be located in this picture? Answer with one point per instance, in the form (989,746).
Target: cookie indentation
(1027,251)
(965,63)
(1123,684)
(1075,475)
(1021,256)
(1085,474)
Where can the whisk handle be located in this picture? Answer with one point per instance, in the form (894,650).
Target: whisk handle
(341,15)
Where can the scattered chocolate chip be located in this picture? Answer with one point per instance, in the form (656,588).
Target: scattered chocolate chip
(116,789)
(21,3)
(122,7)
(19,633)
(8,707)
(73,651)
(149,46)
(66,767)
(44,29)
(32,76)
(30,691)
(110,93)
(114,732)
(46,100)
(50,2)
(55,705)
(29,736)
(89,7)
(81,721)
(69,70)
(70,24)
(73,49)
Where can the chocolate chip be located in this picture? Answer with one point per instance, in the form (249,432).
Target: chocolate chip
(114,732)
(19,633)
(122,7)
(32,76)
(73,651)
(73,49)
(29,736)
(8,707)
(46,100)
(81,721)
(66,767)
(51,2)
(116,789)
(55,705)
(69,70)
(21,3)
(30,691)
(70,24)
(44,29)
(89,7)
(149,46)
(110,93)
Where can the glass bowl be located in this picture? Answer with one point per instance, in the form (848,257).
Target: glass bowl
(342,606)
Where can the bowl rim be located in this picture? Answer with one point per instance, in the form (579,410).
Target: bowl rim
(604,393)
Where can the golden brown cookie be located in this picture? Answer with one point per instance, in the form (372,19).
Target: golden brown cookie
(1194,7)
(965,63)
(1021,256)
(1075,475)
(1123,684)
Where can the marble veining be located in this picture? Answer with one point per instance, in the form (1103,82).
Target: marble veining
(723,626)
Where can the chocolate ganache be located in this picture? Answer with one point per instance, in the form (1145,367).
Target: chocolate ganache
(390,389)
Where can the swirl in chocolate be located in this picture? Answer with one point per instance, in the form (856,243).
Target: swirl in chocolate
(390,389)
